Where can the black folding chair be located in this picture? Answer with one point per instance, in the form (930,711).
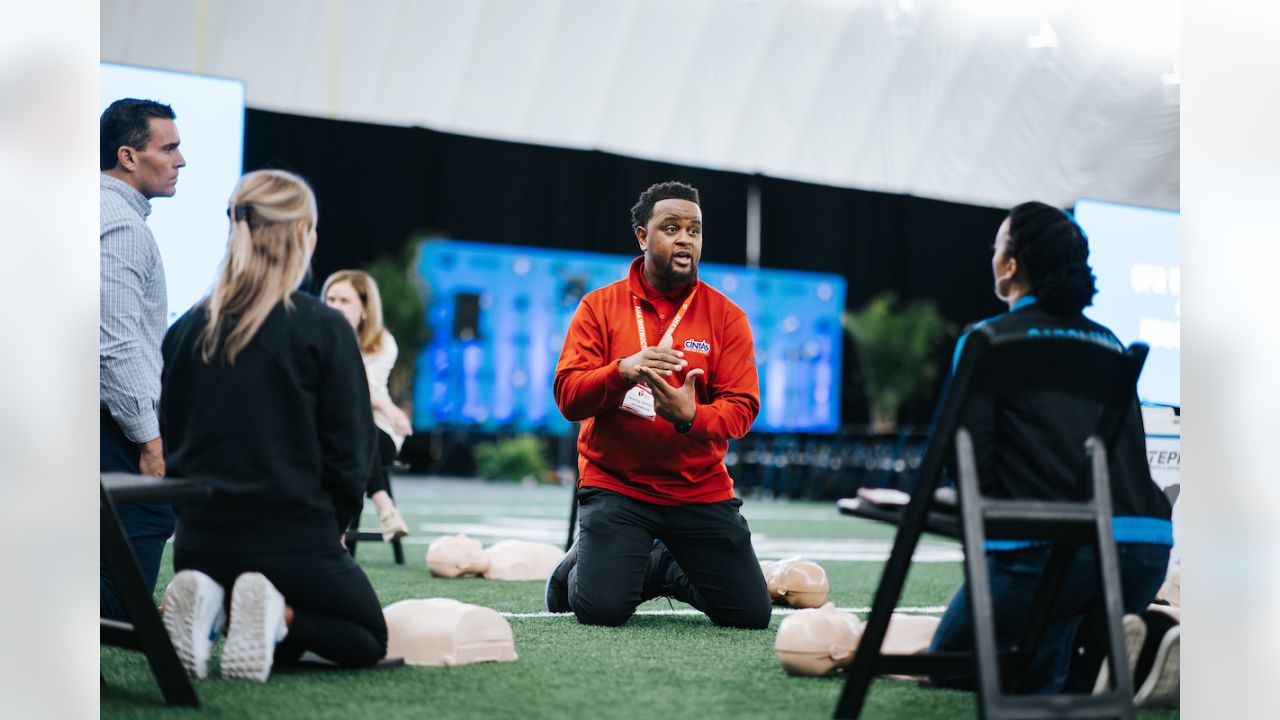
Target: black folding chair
(994,366)
(146,633)
(354,535)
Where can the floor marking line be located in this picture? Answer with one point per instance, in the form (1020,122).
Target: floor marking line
(911,610)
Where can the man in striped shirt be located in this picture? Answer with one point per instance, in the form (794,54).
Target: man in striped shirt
(139,159)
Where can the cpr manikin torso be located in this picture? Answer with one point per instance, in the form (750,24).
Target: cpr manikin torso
(457,555)
(815,642)
(796,582)
(522,560)
(440,631)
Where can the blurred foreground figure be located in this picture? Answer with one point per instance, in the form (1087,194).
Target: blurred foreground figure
(265,398)
(660,369)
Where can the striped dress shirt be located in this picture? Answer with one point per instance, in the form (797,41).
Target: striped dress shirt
(134,305)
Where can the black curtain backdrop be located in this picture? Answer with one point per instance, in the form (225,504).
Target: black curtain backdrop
(379,186)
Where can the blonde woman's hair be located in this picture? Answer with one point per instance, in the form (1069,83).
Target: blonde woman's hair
(268,252)
(370,329)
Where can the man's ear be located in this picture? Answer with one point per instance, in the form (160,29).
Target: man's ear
(126,158)
(642,237)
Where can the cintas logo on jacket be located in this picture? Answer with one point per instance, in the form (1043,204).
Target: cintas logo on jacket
(700,346)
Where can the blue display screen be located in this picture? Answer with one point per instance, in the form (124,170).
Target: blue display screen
(1134,253)
(497,317)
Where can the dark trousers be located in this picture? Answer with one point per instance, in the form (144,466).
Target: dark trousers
(715,568)
(386,457)
(147,525)
(1014,576)
(336,614)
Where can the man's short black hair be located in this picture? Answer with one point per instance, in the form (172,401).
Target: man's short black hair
(670,190)
(127,122)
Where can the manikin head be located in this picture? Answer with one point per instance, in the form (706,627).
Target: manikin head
(817,641)
(440,631)
(454,555)
(797,582)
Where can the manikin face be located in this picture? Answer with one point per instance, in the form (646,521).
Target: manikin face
(672,243)
(155,167)
(342,297)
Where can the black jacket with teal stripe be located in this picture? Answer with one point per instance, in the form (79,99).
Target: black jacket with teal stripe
(1027,446)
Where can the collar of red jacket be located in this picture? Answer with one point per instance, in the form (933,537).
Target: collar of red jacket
(641,288)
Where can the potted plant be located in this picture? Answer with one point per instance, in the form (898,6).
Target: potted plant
(896,346)
(403,303)
(518,458)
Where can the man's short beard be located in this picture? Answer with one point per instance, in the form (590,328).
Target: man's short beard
(675,278)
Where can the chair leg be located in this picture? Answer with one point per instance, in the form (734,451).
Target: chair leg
(123,566)
(398,550)
(863,668)
(1109,571)
(977,580)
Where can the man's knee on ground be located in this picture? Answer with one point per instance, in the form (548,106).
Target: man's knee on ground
(755,617)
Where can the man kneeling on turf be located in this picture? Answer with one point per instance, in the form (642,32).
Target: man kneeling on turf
(660,368)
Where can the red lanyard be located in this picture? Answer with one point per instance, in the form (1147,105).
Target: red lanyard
(675,321)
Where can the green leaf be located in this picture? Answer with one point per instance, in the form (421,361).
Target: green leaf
(896,349)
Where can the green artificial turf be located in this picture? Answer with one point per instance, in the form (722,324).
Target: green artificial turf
(662,666)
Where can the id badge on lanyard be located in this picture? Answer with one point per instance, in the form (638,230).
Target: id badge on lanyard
(639,399)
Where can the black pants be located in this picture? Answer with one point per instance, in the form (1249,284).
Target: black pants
(715,568)
(1015,575)
(336,614)
(147,525)
(386,457)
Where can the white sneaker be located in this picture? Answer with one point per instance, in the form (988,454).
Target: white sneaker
(1135,634)
(1162,685)
(193,617)
(257,624)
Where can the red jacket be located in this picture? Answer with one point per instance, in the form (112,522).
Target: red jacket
(647,459)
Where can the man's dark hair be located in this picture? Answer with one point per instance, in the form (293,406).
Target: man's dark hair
(670,190)
(127,122)
(1054,252)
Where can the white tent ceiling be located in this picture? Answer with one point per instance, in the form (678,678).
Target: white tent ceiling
(977,101)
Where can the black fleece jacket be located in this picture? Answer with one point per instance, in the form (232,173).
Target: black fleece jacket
(285,435)
(1030,447)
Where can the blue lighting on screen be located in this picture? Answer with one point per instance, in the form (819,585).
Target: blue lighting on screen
(498,314)
(1134,252)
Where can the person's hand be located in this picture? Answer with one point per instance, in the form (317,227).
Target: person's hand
(151,458)
(399,420)
(661,359)
(675,405)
